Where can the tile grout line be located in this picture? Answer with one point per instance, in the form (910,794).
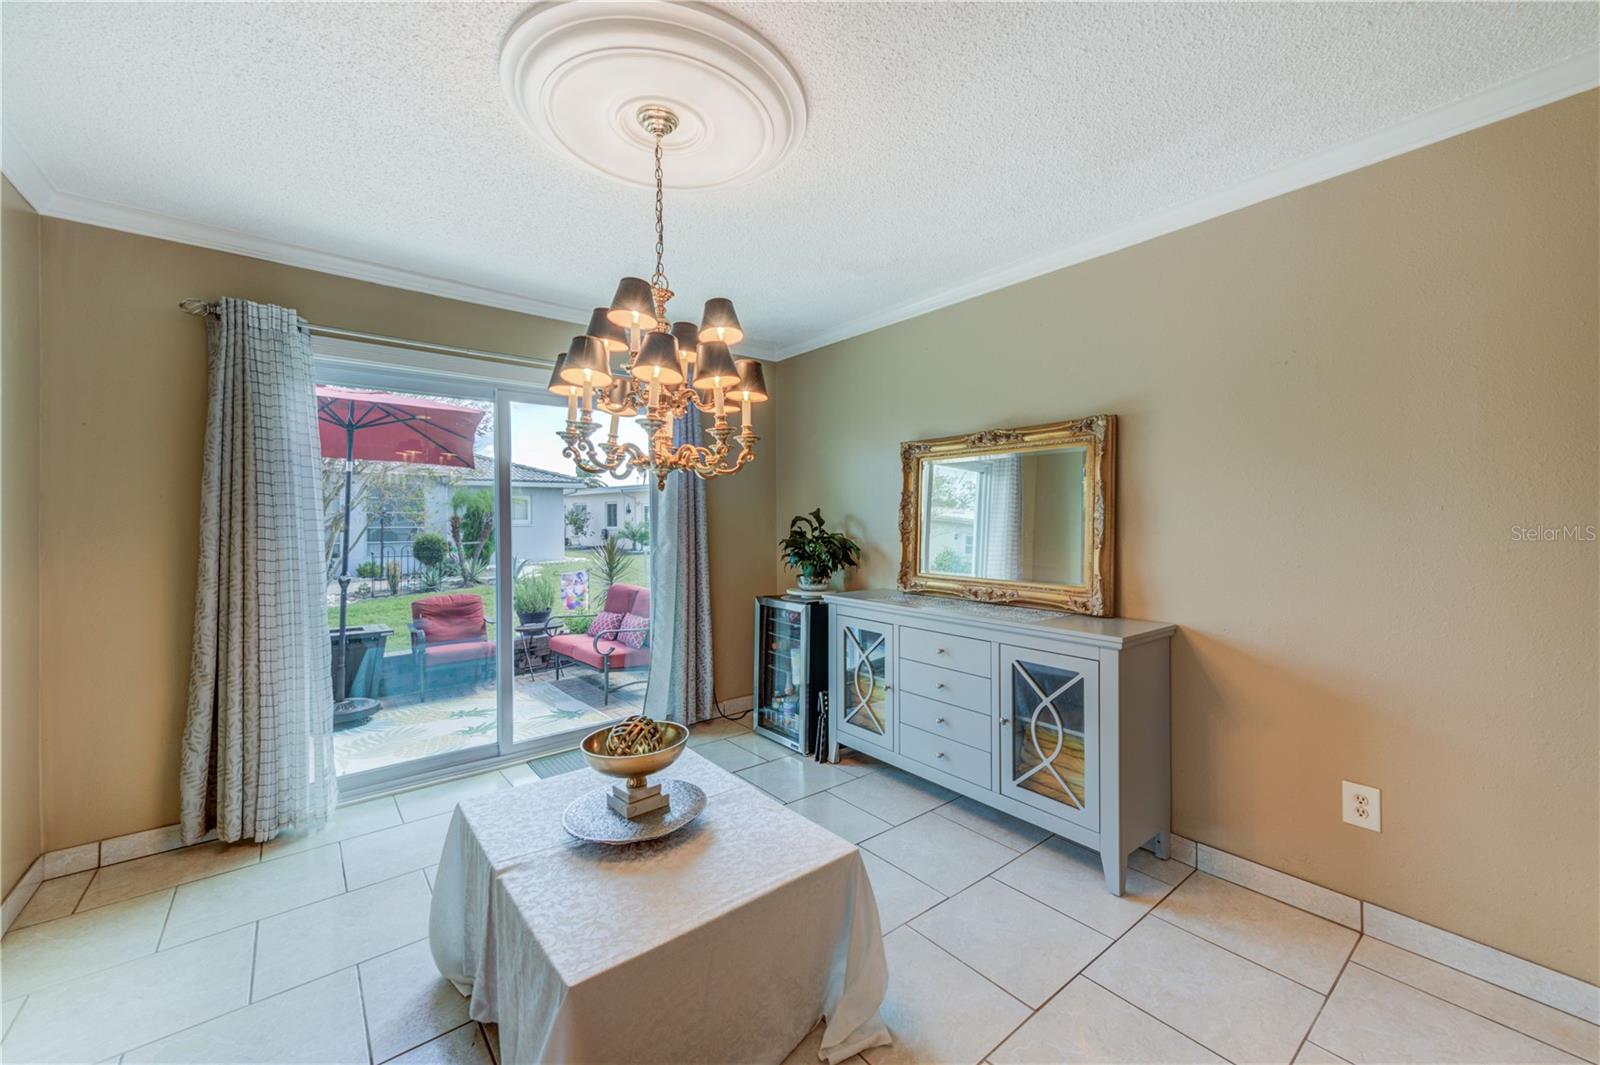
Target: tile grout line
(1304,1039)
(1252,961)
(1474,976)
(372,1055)
(1111,941)
(1135,1005)
(366,1025)
(255,950)
(1457,1005)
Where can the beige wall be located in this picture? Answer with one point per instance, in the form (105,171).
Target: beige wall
(19,536)
(123,416)
(1333,408)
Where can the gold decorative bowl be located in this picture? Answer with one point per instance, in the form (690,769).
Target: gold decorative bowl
(635,767)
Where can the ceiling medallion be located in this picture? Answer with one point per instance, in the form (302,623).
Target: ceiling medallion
(606,81)
(577,73)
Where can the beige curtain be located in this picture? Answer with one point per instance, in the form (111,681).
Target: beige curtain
(258,746)
(680,686)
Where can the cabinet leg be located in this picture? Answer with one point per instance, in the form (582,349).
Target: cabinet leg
(1161,845)
(1116,868)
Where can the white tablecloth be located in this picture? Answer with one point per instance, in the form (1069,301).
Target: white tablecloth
(722,943)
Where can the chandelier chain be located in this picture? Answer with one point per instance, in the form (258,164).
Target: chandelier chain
(659,278)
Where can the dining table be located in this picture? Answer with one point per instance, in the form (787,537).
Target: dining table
(726,941)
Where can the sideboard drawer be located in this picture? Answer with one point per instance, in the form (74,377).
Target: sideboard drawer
(947,685)
(952,652)
(941,719)
(945,755)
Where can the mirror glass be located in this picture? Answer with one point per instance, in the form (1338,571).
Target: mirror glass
(1007,516)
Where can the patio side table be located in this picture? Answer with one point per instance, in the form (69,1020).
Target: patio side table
(533,644)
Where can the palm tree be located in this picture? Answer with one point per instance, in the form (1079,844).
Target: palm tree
(610,562)
(636,533)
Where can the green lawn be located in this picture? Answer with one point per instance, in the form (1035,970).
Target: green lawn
(395,610)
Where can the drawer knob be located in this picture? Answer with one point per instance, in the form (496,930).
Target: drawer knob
(940,650)
(1005,721)
(940,721)
(944,756)
(939,685)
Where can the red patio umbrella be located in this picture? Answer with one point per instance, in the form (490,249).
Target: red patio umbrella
(384,427)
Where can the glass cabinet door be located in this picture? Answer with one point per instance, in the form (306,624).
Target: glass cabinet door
(866,710)
(1049,724)
(781,673)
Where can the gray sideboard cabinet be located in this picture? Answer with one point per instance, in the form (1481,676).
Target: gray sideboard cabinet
(1056,719)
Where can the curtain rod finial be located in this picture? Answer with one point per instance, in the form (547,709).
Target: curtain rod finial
(197,307)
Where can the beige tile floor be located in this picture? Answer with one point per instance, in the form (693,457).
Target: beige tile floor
(1003,948)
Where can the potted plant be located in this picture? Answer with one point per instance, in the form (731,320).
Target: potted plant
(817,552)
(533,596)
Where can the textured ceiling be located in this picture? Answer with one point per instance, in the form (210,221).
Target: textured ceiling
(946,141)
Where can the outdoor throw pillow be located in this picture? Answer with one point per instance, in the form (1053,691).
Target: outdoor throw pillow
(604,623)
(640,627)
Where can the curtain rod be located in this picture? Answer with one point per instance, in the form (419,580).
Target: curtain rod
(201,308)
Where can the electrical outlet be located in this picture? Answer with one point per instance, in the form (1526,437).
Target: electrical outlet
(1362,807)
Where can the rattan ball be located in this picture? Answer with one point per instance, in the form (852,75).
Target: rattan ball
(634,735)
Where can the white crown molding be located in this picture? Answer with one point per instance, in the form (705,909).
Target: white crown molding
(1546,85)
(18,165)
(1535,89)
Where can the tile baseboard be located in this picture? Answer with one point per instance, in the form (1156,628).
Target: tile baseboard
(1555,989)
(1302,894)
(1489,964)
(21,894)
(738,705)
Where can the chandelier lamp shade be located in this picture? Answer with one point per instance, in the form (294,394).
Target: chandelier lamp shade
(634,362)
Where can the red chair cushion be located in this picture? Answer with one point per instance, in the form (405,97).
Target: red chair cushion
(619,598)
(635,630)
(449,653)
(581,648)
(450,618)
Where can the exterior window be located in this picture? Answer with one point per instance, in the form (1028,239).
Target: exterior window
(611,515)
(521,508)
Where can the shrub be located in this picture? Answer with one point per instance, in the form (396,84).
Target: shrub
(429,549)
(369,570)
(947,561)
(579,623)
(392,575)
(534,593)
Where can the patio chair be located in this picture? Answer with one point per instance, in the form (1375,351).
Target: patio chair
(608,645)
(449,632)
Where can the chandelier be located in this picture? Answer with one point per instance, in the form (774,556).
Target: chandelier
(633,362)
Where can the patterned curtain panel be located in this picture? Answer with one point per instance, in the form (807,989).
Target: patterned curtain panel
(680,686)
(258,747)
(1000,512)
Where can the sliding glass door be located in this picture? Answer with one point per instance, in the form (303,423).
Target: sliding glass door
(468,564)
(580,555)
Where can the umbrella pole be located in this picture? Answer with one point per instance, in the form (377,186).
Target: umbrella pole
(344,559)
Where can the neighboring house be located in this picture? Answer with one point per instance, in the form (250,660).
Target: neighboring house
(610,508)
(537,526)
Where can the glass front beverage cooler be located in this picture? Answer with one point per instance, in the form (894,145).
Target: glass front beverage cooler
(791,669)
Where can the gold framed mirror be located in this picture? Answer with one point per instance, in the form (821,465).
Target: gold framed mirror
(1024,516)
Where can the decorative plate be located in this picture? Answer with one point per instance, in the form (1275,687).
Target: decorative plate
(590,817)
